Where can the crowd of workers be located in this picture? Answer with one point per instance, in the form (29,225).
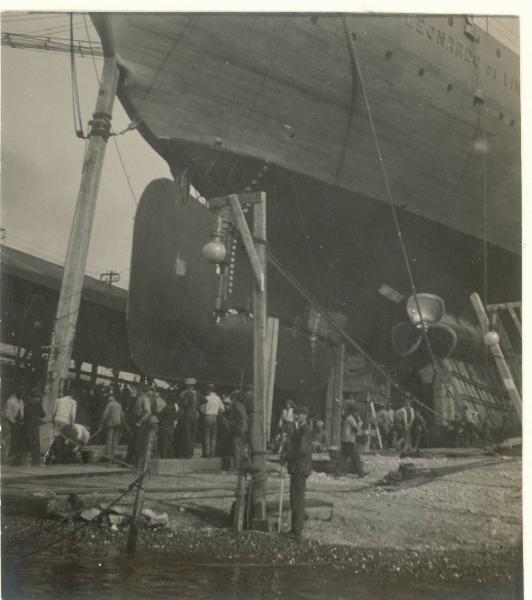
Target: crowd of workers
(119,414)
(127,414)
(167,423)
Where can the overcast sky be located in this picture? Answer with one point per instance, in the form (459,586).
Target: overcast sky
(42,159)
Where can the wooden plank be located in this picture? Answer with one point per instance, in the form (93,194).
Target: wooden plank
(329,402)
(374,415)
(272,336)
(338,394)
(503,306)
(480,312)
(500,361)
(508,351)
(258,441)
(516,320)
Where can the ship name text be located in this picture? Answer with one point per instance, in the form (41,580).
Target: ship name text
(460,51)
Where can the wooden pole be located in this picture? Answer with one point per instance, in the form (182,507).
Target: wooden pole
(80,235)
(329,402)
(258,441)
(338,393)
(374,416)
(139,497)
(272,336)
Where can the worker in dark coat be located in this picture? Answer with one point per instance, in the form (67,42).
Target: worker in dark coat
(168,421)
(239,427)
(189,403)
(299,459)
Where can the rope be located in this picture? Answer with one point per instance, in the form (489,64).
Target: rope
(355,58)
(76,107)
(308,298)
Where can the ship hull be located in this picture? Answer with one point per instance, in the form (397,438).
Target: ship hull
(275,103)
(211,91)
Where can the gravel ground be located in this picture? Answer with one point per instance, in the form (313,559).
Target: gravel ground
(462,525)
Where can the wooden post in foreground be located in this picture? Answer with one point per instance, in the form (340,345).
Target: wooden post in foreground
(500,361)
(272,336)
(139,497)
(80,235)
(255,245)
(339,360)
(258,442)
(335,395)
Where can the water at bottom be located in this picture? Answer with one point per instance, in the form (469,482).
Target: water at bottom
(84,572)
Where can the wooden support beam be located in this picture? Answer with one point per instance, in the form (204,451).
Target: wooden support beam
(516,320)
(257,264)
(142,469)
(258,442)
(500,361)
(335,395)
(502,305)
(272,336)
(329,403)
(338,389)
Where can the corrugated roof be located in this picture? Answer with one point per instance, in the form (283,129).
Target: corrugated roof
(48,274)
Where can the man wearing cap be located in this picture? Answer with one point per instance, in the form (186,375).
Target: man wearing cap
(299,459)
(189,410)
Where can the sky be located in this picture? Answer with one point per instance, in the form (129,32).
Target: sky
(41,157)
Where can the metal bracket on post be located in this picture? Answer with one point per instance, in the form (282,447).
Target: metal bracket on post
(249,243)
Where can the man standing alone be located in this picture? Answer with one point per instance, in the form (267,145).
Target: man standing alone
(348,439)
(112,422)
(299,459)
(212,407)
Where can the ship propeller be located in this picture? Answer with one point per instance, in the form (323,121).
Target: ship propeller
(407,336)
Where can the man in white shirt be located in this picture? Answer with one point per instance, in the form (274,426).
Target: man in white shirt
(64,412)
(64,415)
(212,407)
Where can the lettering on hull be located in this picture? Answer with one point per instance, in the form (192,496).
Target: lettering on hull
(461,52)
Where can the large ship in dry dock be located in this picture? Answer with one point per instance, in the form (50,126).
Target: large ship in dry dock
(281,103)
